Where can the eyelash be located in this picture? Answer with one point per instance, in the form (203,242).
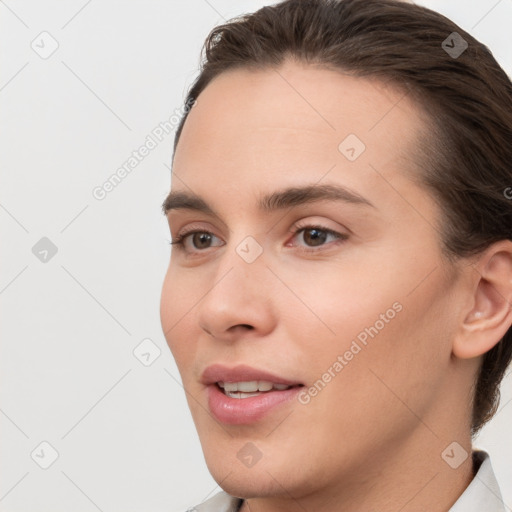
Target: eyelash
(340,238)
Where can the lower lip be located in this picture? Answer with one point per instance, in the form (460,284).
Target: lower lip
(239,411)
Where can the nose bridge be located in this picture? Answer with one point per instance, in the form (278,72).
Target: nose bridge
(242,268)
(240,291)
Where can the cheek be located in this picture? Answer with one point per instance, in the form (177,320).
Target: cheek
(334,302)
(167,307)
(176,310)
(388,322)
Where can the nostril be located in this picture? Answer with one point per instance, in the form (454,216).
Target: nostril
(241,326)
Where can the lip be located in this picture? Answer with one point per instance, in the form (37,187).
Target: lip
(220,373)
(240,411)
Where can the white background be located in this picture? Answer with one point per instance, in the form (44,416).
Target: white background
(122,430)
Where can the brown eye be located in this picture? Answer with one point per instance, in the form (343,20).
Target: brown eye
(195,241)
(200,240)
(312,239)
(314,236)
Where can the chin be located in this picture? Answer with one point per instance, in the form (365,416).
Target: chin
(270,476)
(247,483)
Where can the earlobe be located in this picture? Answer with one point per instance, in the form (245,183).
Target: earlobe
(490,315)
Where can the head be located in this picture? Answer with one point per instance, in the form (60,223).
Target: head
(388,301)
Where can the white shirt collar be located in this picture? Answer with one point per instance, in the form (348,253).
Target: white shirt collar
(482,494)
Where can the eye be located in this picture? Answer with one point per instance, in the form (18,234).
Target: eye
(316,236)
(199,239)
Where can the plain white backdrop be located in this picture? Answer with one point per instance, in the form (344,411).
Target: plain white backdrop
(85,366)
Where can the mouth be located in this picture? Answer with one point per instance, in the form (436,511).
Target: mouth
(244,395)
(247,389)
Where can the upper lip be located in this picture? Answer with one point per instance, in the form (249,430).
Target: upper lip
(241,373)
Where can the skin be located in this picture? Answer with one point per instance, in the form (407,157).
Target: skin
(372,438)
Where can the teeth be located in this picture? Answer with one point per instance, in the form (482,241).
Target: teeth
(252,386)
(241,395)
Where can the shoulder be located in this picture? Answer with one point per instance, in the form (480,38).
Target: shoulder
(221,502)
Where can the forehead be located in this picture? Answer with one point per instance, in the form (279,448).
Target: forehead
(297,124)
(304,97)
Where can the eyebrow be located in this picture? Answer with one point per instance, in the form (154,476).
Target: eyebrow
(278,200)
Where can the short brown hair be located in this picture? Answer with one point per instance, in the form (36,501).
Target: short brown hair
(466,159)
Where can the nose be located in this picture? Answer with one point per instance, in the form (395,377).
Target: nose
(239,299)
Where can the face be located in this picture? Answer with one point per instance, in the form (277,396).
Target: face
(285,278)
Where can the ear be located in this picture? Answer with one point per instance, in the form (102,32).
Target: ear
(489,315)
